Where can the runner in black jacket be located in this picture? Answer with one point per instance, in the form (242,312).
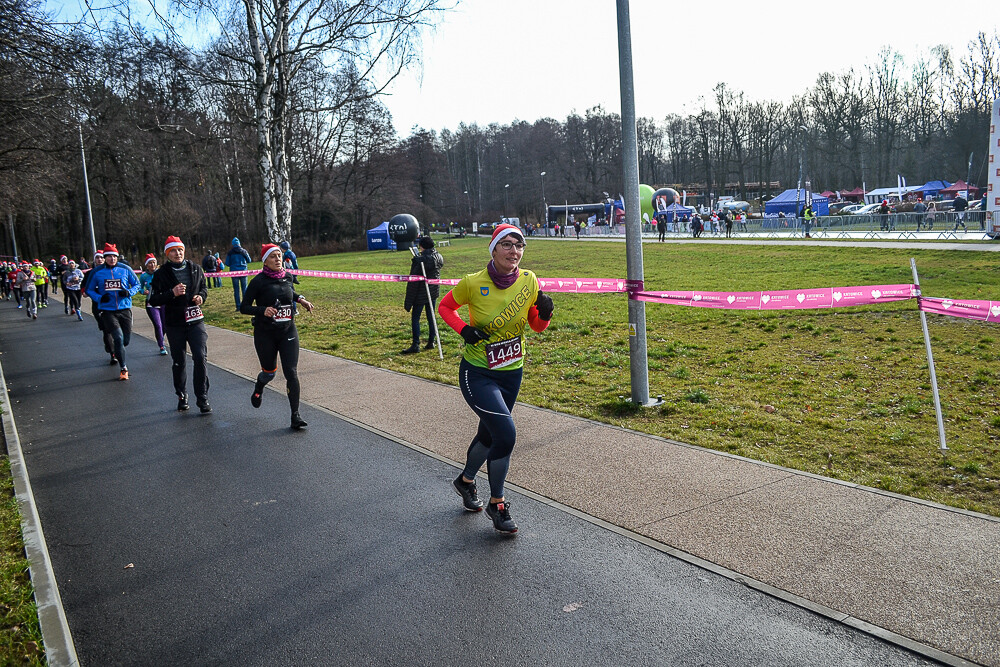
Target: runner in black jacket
(270,298)
(179,286)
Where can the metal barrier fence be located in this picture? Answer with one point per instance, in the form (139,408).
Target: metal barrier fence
(941,223)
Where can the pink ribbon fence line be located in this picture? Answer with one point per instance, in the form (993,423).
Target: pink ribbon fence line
(823,297)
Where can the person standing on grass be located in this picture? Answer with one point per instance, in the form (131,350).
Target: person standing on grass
(180,288)
(428,263)
(271,299)
(237,259)
(503,300)
(112,289)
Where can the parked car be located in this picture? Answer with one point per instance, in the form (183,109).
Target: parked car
(868,209)
(735,205)
(847,209)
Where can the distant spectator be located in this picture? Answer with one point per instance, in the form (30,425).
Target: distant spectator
(960,205)
(237,259)
(209,266)
(918,210)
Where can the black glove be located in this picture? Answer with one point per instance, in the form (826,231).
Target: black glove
(472,335)
(544,305)
(124,294)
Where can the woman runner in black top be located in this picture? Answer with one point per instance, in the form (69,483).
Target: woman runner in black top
(271,299)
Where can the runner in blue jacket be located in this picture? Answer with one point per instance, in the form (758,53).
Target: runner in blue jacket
(111,288)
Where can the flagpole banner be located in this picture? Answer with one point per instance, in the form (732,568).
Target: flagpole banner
(985,311)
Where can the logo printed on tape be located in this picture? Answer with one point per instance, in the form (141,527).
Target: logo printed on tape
(995,310)
(765,298)
(876,293)
(947,303)
(696,297)
(730,298)
(837,296)
(800,297)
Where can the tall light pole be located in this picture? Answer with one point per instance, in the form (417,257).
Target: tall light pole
(86,192)
(638,363)
(968,175)
(802,153)
(505,189)
(545,207)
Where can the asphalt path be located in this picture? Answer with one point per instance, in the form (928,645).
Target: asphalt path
(227,539)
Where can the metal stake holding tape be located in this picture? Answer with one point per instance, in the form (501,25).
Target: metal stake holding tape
(930,362)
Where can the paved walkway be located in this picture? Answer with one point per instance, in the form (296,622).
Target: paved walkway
(924,576)
(920,570)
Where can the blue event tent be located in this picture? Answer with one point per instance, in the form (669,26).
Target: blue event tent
(930,188)
(378,238)
(675,210)
(790,202)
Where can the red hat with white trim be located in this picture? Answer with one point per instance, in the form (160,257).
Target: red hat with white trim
(149,258)
(110,249)
(172,242)
(504,230)
(267,249)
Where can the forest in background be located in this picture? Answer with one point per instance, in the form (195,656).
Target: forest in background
(173,139)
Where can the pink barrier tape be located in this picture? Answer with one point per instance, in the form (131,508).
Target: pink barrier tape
(824,297)
(986,311)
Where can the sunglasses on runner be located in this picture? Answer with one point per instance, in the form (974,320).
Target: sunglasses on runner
(507,245)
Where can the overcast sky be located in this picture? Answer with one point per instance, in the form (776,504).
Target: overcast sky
(501,60)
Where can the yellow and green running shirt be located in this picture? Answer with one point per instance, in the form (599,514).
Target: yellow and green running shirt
(502,313)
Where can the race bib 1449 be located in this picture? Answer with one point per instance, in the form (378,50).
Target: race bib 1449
(504,352)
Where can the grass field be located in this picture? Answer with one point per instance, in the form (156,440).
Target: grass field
(849,388)
(20,633)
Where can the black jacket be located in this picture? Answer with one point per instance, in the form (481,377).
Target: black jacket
(416,293)
(161,292)
(263,291)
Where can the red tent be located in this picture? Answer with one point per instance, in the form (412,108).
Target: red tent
(960,186)
(828,194)
(855,195)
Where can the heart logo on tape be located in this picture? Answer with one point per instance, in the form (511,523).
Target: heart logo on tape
(995,310)
(730,298)
(696,297)
(765,298)
(947,303)
(837,296)
(800,297)
(876,293)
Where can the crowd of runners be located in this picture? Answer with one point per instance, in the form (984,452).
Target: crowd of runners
(503,301)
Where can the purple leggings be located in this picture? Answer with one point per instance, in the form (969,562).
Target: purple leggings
(156,317)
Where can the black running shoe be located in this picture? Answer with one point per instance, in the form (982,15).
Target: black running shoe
(297,422)
(257,396)
(182,403)
(114,360)
(204,407)
(500,513)
(470,499)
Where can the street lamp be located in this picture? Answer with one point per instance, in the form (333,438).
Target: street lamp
(545,208)
(802,152)
(505,188)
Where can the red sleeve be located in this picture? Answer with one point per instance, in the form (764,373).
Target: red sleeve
(448,310)
(537,324)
